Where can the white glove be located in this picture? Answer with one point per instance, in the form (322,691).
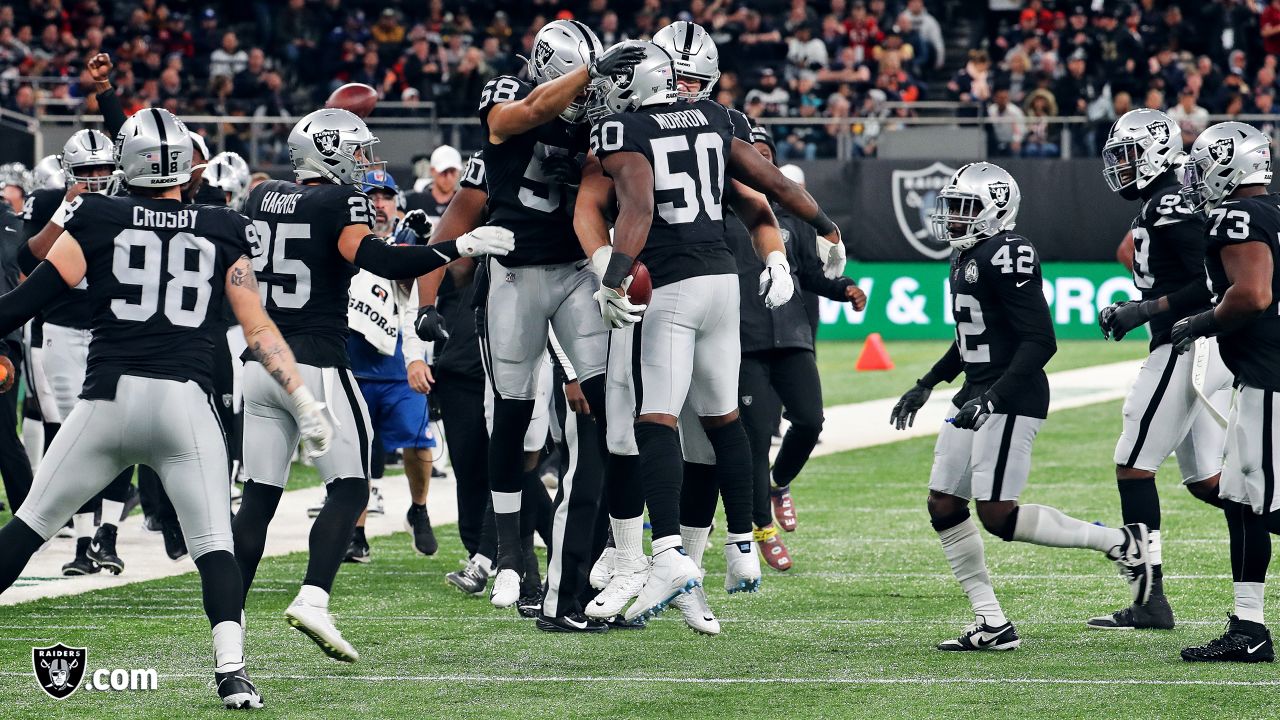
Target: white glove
(617,309)
(600,260)
(832,256)
(487,240)
(775,281)
(312,424)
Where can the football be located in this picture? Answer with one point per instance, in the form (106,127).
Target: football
(356,97)
(641,289)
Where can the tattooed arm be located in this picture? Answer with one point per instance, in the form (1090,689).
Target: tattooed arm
(264,339)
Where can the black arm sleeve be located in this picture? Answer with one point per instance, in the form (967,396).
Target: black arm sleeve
(1190,239)
(112,112)
(946,369)
(403,262)
(804,258)
(27,260)
(1193,296)
(1029,315)
(19,305)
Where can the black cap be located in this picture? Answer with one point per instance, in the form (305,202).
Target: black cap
(761,134)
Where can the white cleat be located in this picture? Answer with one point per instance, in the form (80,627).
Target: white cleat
(697,614)
(316,623)
(602,571)
(742,571)
(625,585)
(506,588)
(671,573)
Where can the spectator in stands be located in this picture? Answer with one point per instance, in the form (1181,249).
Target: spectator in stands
(229,58)
(24,100)
(770,94)
(1264,103)
(933,50)
(760,43)
(1043,138)
(973,82)
(1008,126)
(805,51)
(863,32)
(1191,118)
(466,82)
(296,35)
(609,32)
(1018,77)
(388,30)
(421,67)
(866,139)
(250,84)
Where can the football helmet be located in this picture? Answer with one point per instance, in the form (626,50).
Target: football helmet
(1142,145)
(90,149)
(153,149)
(979,201)
(559,48)
(1223,158)
(694,54)
(229,172)
(652,81)
(334,145)
(48,175)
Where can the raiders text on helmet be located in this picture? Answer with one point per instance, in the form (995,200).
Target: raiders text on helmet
(980,200)
(694,54)
(153,149)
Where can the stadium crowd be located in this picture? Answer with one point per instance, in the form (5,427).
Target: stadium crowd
(863,64)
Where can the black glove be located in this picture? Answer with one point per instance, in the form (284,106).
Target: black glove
(975,412)
(1188,329)
(904,413)
(615,60)
(1118,319)
(562,169)
(418,224)
(430,325)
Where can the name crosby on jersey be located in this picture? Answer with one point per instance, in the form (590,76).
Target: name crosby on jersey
(176,220)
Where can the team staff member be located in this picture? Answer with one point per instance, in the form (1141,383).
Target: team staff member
(434,196)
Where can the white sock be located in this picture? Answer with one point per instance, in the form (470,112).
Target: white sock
(665,543)
(734,538)
(695,542)
(966,553)
(1154,548)
(505,502)
(628,540)
(313,596)
(1249,600)
(1043,525)
(228,646)
(83,525)
(111,511)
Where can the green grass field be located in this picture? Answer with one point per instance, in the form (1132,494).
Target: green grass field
(848,633)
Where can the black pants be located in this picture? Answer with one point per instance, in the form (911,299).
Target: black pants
(15,467)
(461,399)
(765,378)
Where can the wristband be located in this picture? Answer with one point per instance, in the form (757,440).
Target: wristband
(60,215)
(822,223)
(302,398)
(928,381)
(618,270)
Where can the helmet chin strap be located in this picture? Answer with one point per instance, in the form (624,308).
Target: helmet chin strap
(321,170)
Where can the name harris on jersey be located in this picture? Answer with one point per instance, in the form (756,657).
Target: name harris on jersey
(279,203)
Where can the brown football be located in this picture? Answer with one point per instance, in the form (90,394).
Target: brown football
(641,289)
(356,97)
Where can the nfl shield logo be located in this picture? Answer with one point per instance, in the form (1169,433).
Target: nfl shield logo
(59,669)
(326,141)
(971,272)
(999,193)
(1159,131)
(1222,150)
(913,195)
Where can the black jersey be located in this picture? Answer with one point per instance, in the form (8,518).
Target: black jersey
(157,273)
(997,302)
(1168,252)
(1252,352)
(686,144)
(425,202)
(303,277)
(71,310)
(521,198)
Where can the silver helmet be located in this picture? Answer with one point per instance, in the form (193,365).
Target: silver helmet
(47,174)
(1142,146)
(153,149)
(559,48)
(652,81)
(228,172)
(333,145)
(16,174)
(979,201)
(694,54)
(87,149)
(1223,158)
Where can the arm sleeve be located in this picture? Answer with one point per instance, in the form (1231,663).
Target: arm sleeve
(112,112)
(559,357)
(403,262)
(1188,237)
(946,369)
(19,305)
(1029,314)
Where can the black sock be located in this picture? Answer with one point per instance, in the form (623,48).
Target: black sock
(249,528)
(699,495)
(331,532)
(535,507)
(733,473)
(1250,543)
(660,470)
(223,597)
(623,490)
(358,534)
(1140,503)
(488,546)
(20,542)
(506,461)
(531,580)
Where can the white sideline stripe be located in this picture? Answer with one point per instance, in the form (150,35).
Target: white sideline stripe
(848,427)
(510,619)
(513,679)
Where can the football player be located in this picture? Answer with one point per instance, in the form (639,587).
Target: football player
(228,172)
(1164,413)
(1227,175)
(156,292)
(311,236)
(1004,338)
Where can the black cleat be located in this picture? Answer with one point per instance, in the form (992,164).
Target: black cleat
(1155,615)
(530,603)
(103,549)
(82,565)
(619,622)
(419,526)
(358,550)
(1244,641)
(571,623)
(471,579)
(175,544)
(152,524)
(237,691)
(981,636)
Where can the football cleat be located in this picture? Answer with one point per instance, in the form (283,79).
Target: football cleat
(419,526)
(697,613)
(530,603)
(1244,641)
(742,567)
(102,550)
(784,510)
(358,551)
(618,622)
(376,505)
(571,623)
(506,588)
(624,586)
(317,624)
(981,636)
(81,565)
(602,570)
(471,579)
(237,691)
(1134,562)
(671,573)
(775,553)
(175,545)
(1155,615)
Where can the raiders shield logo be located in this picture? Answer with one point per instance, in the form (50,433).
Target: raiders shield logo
(326,142)
(59,669)
(542,54)
(999,193)
(1222,150)
(746,400)
(913,195)
(786,235)
(1159,131)
(971,272)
